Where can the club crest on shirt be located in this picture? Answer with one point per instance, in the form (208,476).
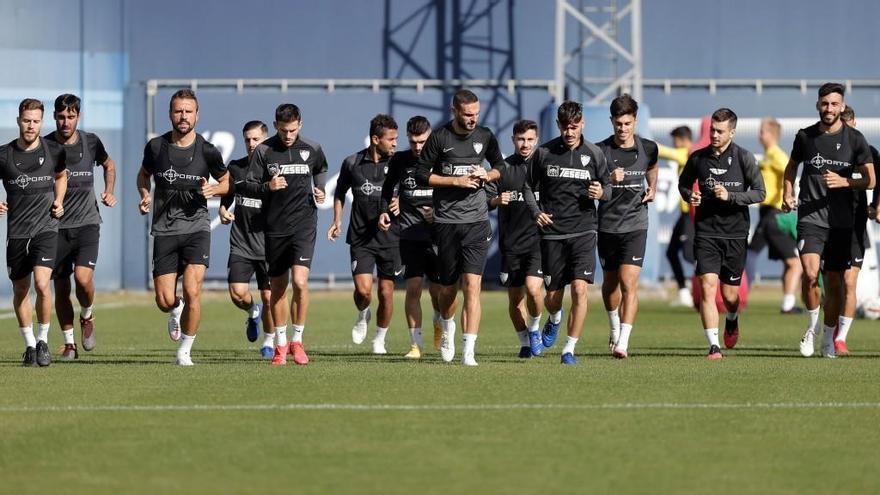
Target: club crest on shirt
(386,169)
(729,160)
(304,154)
(585,160)
(478,147)
(41,160)
(838,146)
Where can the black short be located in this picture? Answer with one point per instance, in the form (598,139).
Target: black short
(239,270)
(22,255)
(419,259)
(515,267)
(723,257)
(171,253)
(461,248)
(284,252)
(780,245)
(564,260)
(812,238)
(627,248)
(76,247)
(845,248)
(386,261)
(858,246)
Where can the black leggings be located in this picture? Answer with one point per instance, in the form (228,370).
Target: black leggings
(682,239)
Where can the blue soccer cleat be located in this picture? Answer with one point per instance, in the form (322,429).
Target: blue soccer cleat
(568,358)
(535,344)
(252,327)
(267,352)
(548,334)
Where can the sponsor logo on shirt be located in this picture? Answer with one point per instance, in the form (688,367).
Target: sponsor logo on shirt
(711,182)
(410,183)
(819,161)
(419,193)
(368,188)
(450,169)
(86,173)
(567,173)
(23,181)
(249,202)
(516,196)
(288,169)
(172,175)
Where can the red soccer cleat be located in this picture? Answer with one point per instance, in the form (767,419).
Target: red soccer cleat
(731,333)
(840,348)
(299,353)
(280,357)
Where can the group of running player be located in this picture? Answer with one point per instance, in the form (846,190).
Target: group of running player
(423,213)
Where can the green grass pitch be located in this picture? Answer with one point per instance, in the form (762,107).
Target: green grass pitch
(124,419)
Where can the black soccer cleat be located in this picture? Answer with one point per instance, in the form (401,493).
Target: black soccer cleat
(29,358)
(43,356)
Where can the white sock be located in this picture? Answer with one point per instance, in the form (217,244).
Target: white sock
(712,336)
(43,333)
(27,333)
(570,342)
(68,336)
(788,301)
(534,322)
(254,311)
(297,333)
(828,338)
(268,339)
(364,315)
(415,336)
(448,326)
(523,338)
(468,341)
(85,312)
(281,336)
(556,317)
(813,314)
(186,344)
(614,320)
(623,340)
(380,334)
(843,324)
(732,316)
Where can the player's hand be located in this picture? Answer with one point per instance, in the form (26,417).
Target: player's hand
(319,195)
(649,195)
(721,192)
(4,208)
(334,231)
(384,222)
(789,203)
(544,219)
(617,175)
(428,214)
(108,199)
(57,209)
(467,182)
(394,206)
(479,172)
(226,216)
(208,190)
(595,191)
(504,198)
(144,205)
(833,180)
(277,183)
(696,198)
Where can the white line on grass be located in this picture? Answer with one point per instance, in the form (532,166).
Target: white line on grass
(436,407)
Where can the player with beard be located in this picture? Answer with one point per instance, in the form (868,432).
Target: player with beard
(181,161)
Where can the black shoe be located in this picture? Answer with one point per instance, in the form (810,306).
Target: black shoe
(795,310)
(714,353)
(29,358)
(43,357)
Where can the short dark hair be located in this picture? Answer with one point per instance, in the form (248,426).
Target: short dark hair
(523,126)
(464,97)
(725,115)
(848,114)
(255,124)
(287,112)
(381,123)
(682,132)
(30,104)
(183,94)
(417,126)
(569,112)
(830,87)
(67,101)
(624,105)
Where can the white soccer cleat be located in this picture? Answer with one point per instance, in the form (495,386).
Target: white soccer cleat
(807,346)
(174,321)
(467,359)
(359,330)
(379,347)
(613,338)
(447,346)
(184,360)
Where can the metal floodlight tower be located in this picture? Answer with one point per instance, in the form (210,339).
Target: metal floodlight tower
(614,64)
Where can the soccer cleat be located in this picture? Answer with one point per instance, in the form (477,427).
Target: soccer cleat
(43,357)
(548,334)
(447,347)
(415,352)
(525,352)
(359,330)
(299,353)
(438,334)
(467,359)
(69,352)
(535,343)
(714,353)
(252,325)
(379,347)
(280,356)
(613,337)
(174,320)
(29,358)
(807,346)
(184,360)
(794,310)
(87,332)
(828,350)
(731,333)
(619,353)
(840,348)
(267,352)
(568,359)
